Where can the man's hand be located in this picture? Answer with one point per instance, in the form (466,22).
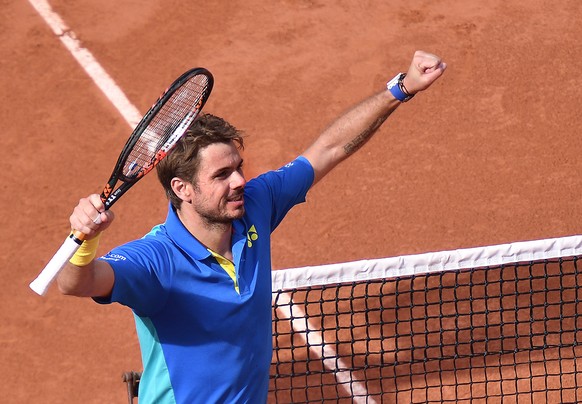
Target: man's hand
(90,216)
(423,71)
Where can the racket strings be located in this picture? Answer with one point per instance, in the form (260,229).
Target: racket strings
(166,127)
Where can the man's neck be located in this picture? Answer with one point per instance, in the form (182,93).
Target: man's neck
(215,236)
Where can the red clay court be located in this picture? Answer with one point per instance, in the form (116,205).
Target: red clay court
(489,155)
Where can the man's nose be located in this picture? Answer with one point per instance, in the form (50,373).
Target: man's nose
(238,180)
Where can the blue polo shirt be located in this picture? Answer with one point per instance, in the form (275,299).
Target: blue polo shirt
(201,340)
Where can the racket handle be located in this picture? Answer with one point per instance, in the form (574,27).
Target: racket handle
(42,282)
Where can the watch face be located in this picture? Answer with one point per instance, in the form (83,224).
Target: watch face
(393,82)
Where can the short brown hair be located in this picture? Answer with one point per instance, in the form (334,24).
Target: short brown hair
(183,161)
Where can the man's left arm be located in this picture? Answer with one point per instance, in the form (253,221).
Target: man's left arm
(352,130)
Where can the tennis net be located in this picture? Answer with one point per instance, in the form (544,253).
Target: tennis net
(491,324)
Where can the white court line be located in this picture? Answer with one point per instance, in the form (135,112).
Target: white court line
(314,340)
(105,83)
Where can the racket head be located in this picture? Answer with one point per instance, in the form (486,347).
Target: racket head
(159,130)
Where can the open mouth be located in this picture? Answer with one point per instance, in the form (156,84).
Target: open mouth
(239,198)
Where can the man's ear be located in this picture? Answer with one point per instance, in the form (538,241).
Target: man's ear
(182,189)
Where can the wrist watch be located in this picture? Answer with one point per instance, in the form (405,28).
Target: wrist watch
(397,89)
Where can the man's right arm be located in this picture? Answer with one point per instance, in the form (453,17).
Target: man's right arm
(88,277)
(92,280)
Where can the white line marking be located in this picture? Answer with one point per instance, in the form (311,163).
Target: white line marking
(105,83)
(314,339)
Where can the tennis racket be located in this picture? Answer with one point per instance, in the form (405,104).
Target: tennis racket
(155,135)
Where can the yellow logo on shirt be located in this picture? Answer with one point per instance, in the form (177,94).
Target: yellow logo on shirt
(252,235)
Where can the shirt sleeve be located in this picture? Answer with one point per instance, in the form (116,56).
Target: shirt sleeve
(140,277)
(283,188)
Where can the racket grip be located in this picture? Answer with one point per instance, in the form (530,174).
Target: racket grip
(42,282)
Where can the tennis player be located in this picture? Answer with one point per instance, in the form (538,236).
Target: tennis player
(199,284)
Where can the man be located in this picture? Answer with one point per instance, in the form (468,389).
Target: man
(199,284)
